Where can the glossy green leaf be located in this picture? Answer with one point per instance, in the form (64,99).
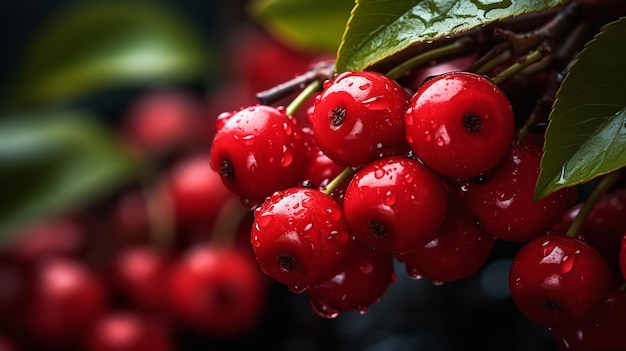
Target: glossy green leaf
(379,29)
(308,25)
(101,45)
(586,136)
(51,163)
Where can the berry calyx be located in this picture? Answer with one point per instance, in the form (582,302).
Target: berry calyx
(459,123)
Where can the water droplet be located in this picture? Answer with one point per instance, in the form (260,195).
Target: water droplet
(379,173)
(287,128)
(413,273)
(390,198)
(323,309)
(248,140)
(567,264)
(221,120)
(365,86)
(439,141)
(297,289)
(366,268)
(376,103)
(264,220)
(286,157)
(361,309)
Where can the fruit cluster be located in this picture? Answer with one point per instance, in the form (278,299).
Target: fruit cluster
(430,178)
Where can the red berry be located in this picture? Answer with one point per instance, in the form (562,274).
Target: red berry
(361,284)
(127,331)
(557,280)
(605,331)
(300,237)
(459,123)
(460,249)
(67,297)
(137,273)
(161,121)
(503,202)
(395,204)
(217,290)
(196,191)
(359,117)
(603,227)
(257,151)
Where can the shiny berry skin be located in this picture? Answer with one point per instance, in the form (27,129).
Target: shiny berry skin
(460,249)
(300,237)
(558,280)
(606,331)
(603,227)
(127,331)
(361,284)
(359,117)
(217,290)
(459,123)
(257,151)
(395,204)
(502,199)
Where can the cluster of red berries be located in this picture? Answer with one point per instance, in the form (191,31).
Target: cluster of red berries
(430,178)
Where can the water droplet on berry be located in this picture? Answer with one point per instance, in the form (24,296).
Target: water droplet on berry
(222,119)
(251,163)
(390,198)
(440,141)
(413,273)
(286,157)
(323,309)
(297,289)
(376,103)
(366,268)
(334,215)
(567,264)
(361,309)
(264,220)
(287,128)
(255,241)
(248,204)
(379,173)
(248,140)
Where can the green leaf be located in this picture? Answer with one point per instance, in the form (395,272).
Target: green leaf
(307,25)
(379,29)
(102,45)
(51,163)
(586,135)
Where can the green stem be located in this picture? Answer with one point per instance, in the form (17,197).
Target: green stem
(338,180)
(528,60)
(494,62)
(602,188)
(454,48)
(304,95)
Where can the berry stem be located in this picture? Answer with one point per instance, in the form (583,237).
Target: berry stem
(492,59)
(602,188)
(320,72)
(532,57)
(457,47)
(336,182)
(299,100)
